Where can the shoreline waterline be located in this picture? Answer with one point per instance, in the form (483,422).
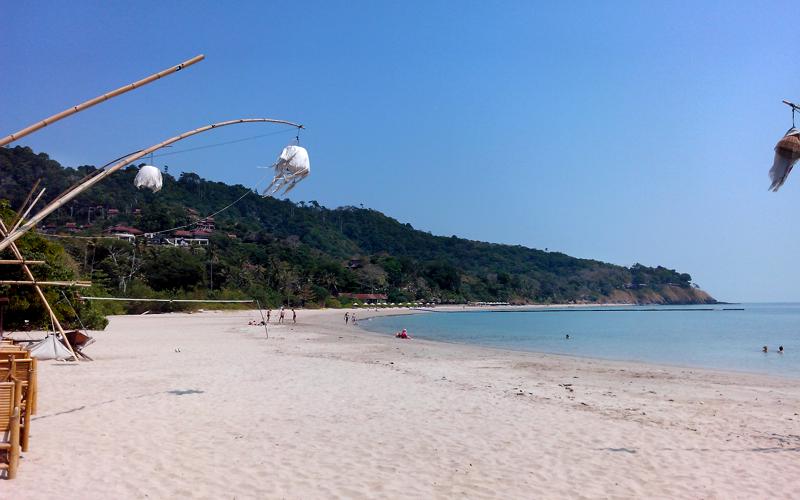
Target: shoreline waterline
(717,338)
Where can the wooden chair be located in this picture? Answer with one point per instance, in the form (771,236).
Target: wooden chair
(23,372)
(10,395)
(18,353)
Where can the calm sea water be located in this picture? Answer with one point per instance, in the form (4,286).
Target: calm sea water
(699,336)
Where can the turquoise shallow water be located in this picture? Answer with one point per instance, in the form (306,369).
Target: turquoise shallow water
(700,336)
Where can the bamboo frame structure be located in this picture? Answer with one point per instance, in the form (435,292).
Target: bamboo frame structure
(50,120)
(64,198)
(97,100)
(39,292)
(19,261)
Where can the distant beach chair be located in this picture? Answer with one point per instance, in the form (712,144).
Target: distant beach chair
(10,395)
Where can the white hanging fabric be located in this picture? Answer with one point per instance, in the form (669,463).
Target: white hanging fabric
(50,348)
(787,152)
(292,167)
(149,177)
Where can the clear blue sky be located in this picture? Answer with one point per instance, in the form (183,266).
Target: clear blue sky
(626,132)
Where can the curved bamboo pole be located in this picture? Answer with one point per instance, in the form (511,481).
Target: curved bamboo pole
(60,201)
(97,100)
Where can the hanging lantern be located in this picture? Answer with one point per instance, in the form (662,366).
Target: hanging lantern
(787,152)
(292,167)
(149,177)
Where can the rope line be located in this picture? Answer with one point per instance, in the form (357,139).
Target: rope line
(237,200)
(224,143)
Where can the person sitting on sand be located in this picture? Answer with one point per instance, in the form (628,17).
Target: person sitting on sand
(403,335)
(764,349)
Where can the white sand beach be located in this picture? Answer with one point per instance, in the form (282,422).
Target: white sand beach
(204,406)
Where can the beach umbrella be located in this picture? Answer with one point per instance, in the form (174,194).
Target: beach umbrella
(787,152)
(149,177)
(291,167)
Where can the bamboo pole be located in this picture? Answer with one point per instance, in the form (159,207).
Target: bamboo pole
(97,100)
(46,283)
(27,199)
(127,299)
(39,292)
(22,217)
(792,105)
(19,261)
(263,320)
(62,200)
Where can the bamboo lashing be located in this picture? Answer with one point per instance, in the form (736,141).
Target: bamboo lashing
(97,100)
(62,200)
(39,292)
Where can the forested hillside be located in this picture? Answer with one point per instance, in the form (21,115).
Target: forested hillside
(302,253)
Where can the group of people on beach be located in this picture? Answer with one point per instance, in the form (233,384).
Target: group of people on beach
(765,349)
(350,317)
(281,317)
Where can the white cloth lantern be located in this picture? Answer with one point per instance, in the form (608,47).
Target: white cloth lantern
(292,167)
(149,177)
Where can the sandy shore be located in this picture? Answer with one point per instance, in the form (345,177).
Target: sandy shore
(320,410)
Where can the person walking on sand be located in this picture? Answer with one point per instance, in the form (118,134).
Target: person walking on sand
(355,320)
(346,317)
(280,318)
(294,316)
(269,311)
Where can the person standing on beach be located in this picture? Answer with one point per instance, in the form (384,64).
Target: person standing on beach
(269,311)
(353,317)
(294,316)
(280,318)
(346,317)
